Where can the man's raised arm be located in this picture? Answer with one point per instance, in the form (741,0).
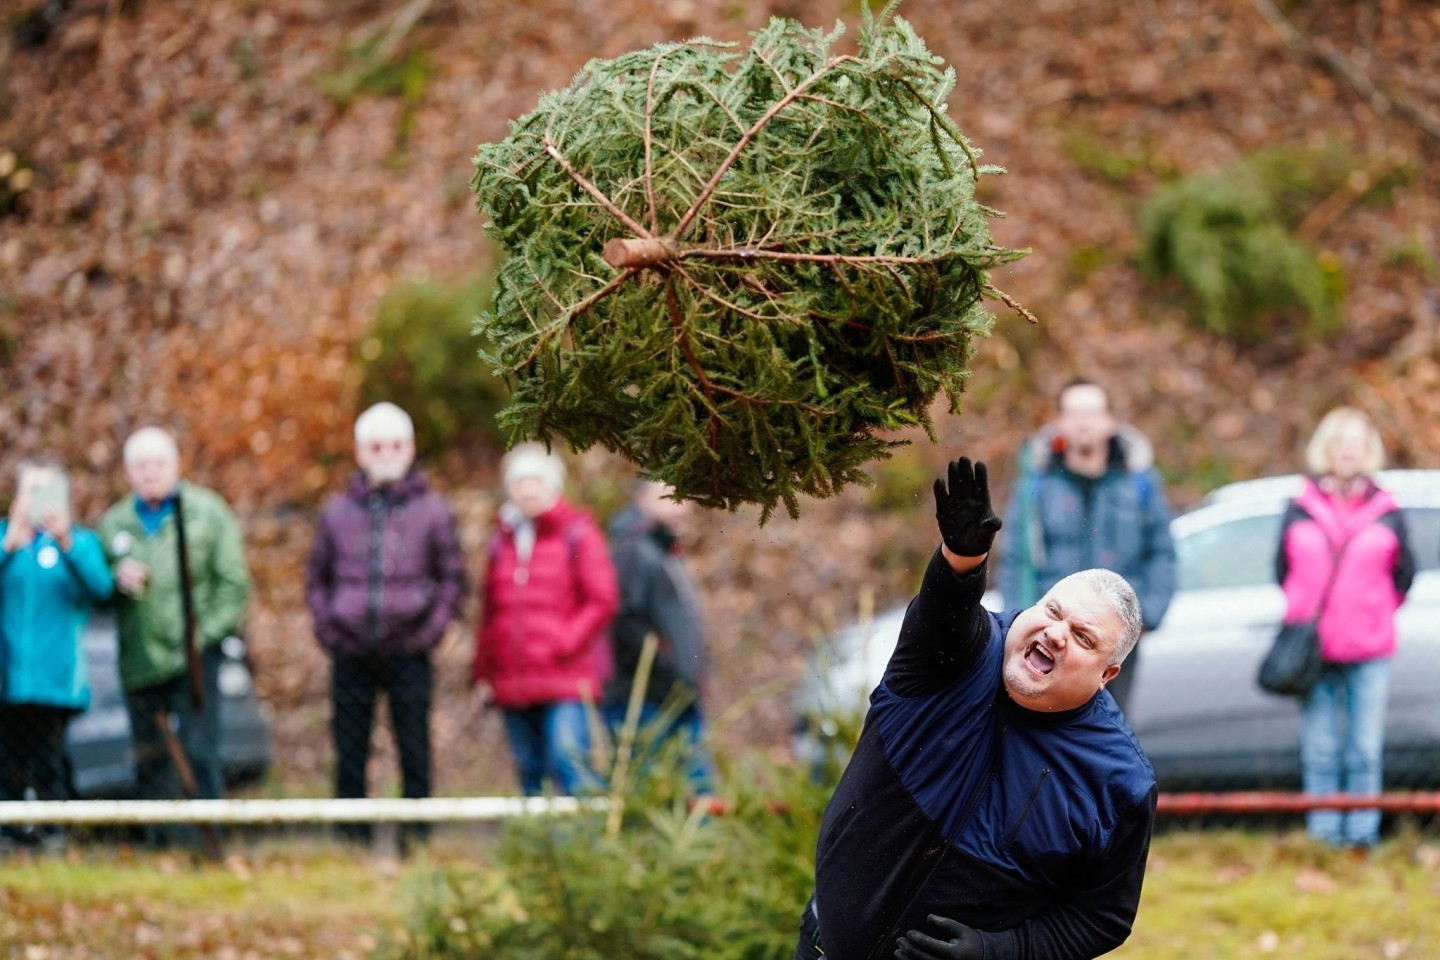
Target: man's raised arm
(944,629)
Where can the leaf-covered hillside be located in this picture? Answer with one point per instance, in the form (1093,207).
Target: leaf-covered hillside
(204,203)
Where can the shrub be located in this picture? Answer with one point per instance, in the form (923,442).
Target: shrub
(675,882)
(1226,239)
(421,354)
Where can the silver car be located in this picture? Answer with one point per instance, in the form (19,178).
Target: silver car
(1203,721)
(101,753)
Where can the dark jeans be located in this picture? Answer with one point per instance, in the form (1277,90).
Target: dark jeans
(198,733)
(32,757)
(408,681)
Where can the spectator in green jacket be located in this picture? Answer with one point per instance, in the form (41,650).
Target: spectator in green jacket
(144,536)
(51,571)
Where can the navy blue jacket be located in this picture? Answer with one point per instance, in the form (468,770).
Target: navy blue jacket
(1031,827)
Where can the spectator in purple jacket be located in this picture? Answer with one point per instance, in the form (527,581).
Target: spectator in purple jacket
(384,580)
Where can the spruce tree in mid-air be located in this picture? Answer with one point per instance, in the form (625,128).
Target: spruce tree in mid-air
(740,269)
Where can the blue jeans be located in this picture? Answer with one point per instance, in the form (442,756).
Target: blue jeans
(1341,743)
(552,739)
(687,728)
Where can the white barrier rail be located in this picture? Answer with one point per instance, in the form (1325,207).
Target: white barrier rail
(432,809)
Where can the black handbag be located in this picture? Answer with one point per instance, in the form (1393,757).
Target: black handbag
(1292,664)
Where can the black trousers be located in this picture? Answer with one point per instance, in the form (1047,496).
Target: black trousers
(33,757)
(198,731)
(407,681)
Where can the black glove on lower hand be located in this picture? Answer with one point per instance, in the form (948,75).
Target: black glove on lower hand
(961,943)
(967,523)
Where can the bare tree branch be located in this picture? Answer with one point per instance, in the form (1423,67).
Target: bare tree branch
(1342,67)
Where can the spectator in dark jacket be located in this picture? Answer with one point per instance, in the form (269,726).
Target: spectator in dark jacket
(1088,495)
(385,578)
(657,598)
(542,650)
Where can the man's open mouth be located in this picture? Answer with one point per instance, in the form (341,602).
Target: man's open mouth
(1040,661)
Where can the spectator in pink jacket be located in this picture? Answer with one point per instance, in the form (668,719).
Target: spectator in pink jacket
(1344,528)
(542,651)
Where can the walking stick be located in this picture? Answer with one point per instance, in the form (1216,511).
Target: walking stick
(209,839)
(193,666)
(195,672)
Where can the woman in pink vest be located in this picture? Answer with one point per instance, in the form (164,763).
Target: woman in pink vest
(1344,528)
(542,650)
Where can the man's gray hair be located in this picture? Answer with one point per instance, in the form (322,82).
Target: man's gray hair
(150,440)
(386,420)
(1116,589)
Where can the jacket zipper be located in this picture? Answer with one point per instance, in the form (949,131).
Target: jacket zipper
(377,545)
(882,948)
(1029,802)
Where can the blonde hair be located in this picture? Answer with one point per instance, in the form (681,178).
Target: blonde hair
(1317,451)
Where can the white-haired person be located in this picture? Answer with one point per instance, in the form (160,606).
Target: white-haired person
(542,650)
(384,580)
(1343,548)
(146,536)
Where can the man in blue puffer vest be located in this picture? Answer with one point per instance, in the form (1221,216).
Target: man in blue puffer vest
(997,806)
(1088,495)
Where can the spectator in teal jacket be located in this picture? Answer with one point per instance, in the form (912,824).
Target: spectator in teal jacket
(141,538)
(50,573)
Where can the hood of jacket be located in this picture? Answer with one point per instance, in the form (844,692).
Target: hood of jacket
(1130,449)
(631,524)
(557,518)
(408,487)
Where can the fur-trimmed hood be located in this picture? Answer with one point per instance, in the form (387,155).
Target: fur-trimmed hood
(1129,448)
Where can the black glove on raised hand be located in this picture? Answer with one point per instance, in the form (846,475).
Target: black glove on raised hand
(967,523)
(961,943)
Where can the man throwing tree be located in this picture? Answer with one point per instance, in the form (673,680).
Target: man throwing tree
(997,806)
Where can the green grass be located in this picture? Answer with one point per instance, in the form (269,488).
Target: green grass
(1244,895)
(1217,895)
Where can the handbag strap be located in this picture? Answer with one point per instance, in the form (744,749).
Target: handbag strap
(1336,554)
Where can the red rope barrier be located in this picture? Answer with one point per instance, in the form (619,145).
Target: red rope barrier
(1189,804)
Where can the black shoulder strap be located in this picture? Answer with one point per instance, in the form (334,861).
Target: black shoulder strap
(187,602)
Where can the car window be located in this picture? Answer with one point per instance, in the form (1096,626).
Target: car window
(1241,552)
(1422,529)
(1235,553)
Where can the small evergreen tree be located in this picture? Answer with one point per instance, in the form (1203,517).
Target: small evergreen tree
(739,270)
(420,354)
(1226,239)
